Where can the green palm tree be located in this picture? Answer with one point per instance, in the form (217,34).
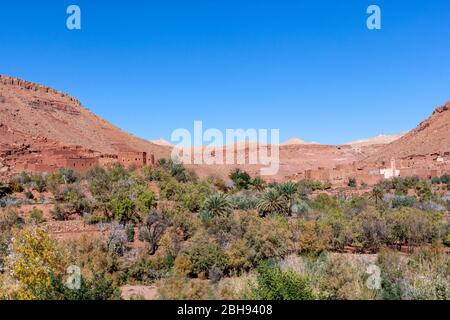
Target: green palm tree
(258,184)
(218,205)
(271,201)
(377,195)
(289,190)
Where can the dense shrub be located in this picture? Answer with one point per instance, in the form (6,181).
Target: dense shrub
(266,237)
(129,231)
(146,270)
(371,230)
(98,288)
(204,254)
(413,226)
(403,201)
(182,288)
(36,216)
(310,236)
(60,213)
(274,284)
(243,201)
(34,258)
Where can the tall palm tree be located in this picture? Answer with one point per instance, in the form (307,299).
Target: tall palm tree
(289,190)
(377,195)
(271,201)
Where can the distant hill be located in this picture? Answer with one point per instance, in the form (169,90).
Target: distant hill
(380,139)
(162,142)
(296,141)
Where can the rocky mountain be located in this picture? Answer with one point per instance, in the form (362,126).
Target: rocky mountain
(431,136)
(39,111)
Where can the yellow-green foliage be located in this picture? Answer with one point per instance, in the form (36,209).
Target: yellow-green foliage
(33,259)
(181,288)
(267,237)
(310,236)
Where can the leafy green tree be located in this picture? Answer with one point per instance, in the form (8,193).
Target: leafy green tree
(145,200)
(123,207)
(100,183)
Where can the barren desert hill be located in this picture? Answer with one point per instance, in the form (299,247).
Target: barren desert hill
(380,139)
(39,111)
(431,136)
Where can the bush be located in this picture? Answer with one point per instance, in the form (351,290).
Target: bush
(204,254)
(275,284)
(129,230)
(29,195)
(371,230)
(152,231)
(60,213)
(4,190)
(241,179)
(38,182)
(182,288)
(15,186)
(33,260)
(403,201)
(36,216)
(10,218)
(98,288)
(414,227)
(145,201)
(266,237)
(243,201)
(117,239)
(145,270)
(310,237)
(100,183)
(352,183)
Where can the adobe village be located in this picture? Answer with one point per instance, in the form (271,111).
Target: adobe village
(76,190)
(40,134)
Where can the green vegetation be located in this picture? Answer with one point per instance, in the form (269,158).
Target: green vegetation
(215,239)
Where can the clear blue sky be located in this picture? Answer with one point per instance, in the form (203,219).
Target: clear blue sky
(310,68)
